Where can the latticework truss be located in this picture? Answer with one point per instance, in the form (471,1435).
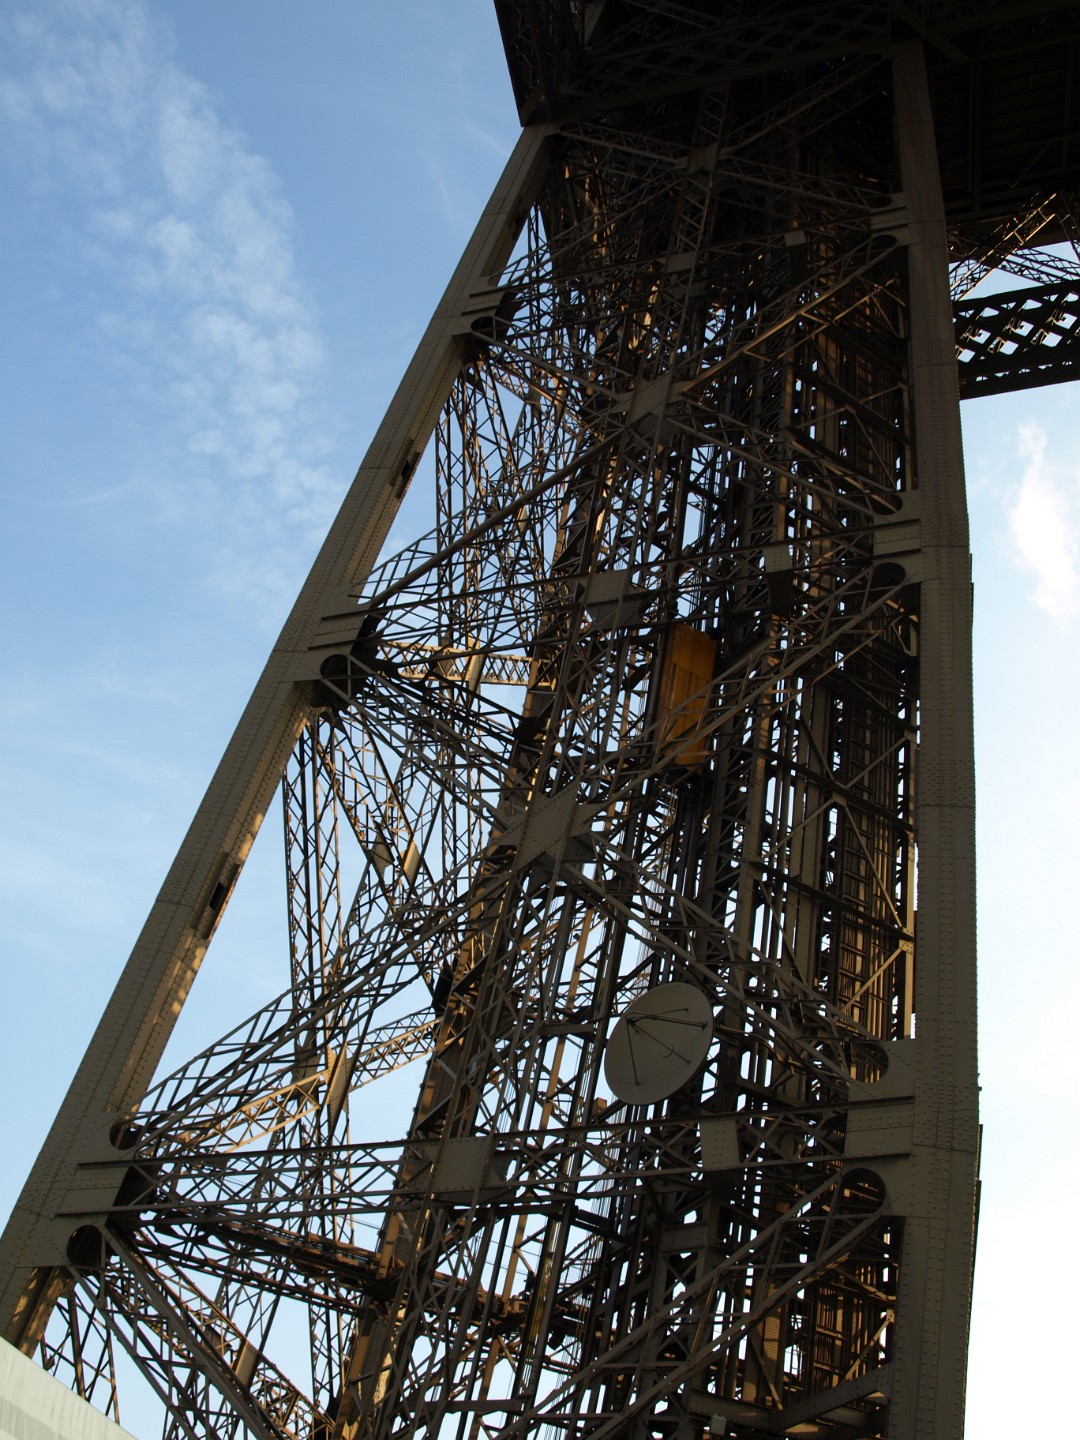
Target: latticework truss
(672,690)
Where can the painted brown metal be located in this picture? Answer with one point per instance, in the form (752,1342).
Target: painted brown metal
(695,376)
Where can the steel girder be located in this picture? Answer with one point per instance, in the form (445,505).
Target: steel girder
(1019,339)
(695,377)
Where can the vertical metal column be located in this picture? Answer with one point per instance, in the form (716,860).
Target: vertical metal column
(930,1359)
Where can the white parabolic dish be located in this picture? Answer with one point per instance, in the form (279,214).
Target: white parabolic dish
(660,1040)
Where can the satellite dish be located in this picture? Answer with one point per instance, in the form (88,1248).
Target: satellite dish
(660,1040)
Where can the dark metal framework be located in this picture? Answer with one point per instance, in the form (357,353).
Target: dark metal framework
(692,393)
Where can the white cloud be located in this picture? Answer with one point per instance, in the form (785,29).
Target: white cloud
(1044,522)
(186,240)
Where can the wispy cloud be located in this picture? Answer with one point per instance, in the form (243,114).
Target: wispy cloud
(188,243)
(1044,521)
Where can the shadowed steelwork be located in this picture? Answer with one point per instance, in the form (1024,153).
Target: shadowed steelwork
(610,800)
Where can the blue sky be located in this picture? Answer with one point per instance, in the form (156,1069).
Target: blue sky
(223,225)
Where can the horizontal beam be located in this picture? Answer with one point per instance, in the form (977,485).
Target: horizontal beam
(1018,340)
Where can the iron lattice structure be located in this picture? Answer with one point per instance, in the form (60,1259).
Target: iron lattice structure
(676,688)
